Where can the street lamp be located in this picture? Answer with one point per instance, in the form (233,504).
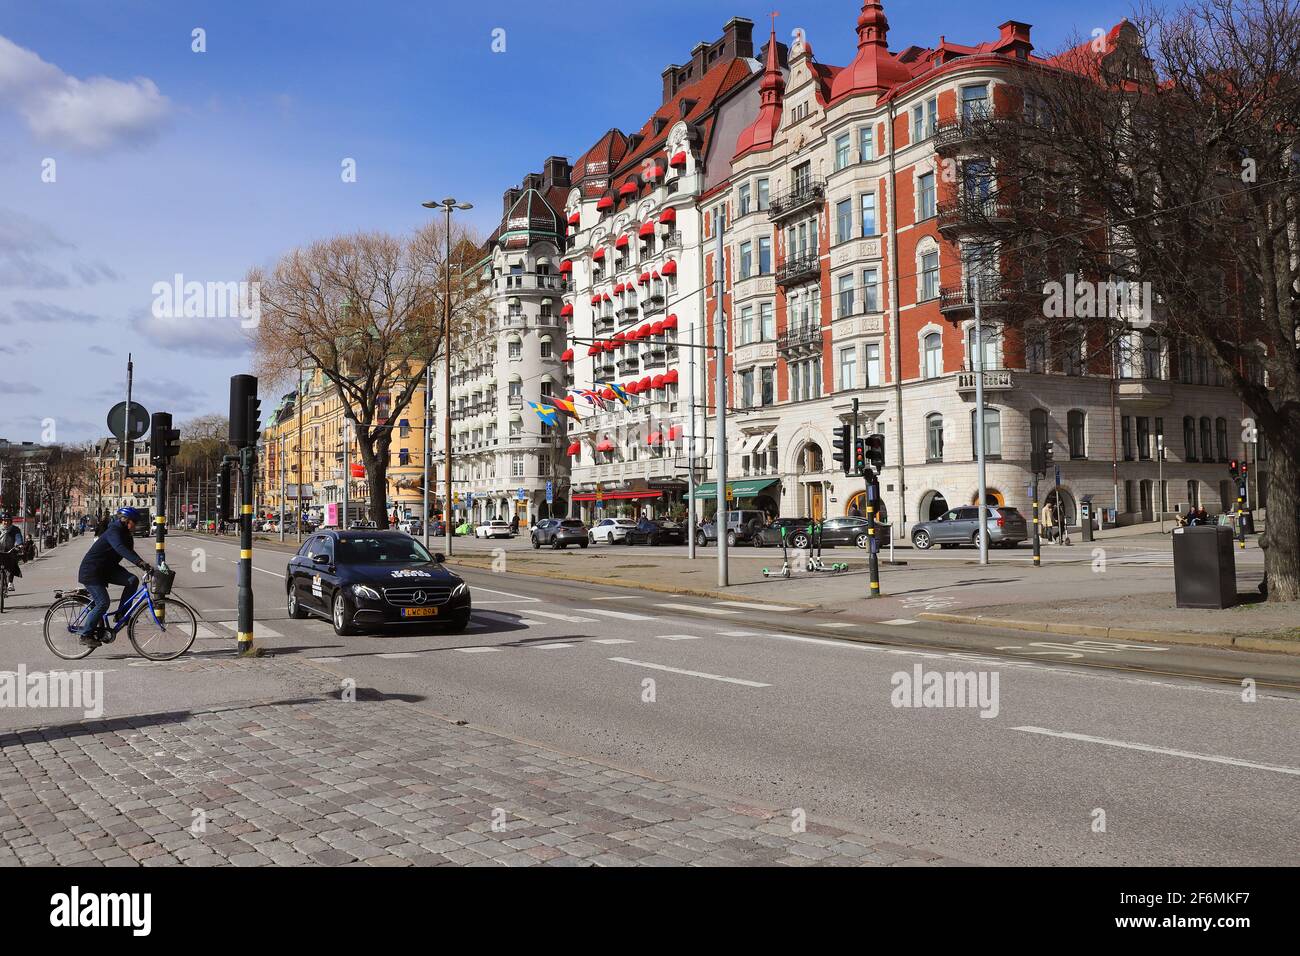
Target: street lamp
(448,205)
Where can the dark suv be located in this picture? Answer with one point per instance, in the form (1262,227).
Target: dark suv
(742,526)
(1007,528)
(559,534)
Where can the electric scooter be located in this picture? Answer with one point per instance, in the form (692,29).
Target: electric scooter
(785,560)
(815,562)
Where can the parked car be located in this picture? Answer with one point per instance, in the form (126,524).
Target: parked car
(655,533)
(560,533)
(742,527)
(493,529)
(795,528)
(610,530)
(373,578)
(1007,528)
(411,526)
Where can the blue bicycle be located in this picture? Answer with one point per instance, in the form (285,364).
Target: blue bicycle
(161,627)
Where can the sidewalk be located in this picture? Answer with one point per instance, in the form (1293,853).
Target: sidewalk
(376,782)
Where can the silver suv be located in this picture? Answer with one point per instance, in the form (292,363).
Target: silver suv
(1007,528)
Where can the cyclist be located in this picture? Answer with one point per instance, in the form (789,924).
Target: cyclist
(11,541)
(101,567)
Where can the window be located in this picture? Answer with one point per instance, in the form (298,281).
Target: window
(868,214)
(1193,494)
(545,346)
(1036,351)
(933,362)
(747,389)
(746,259)
(988,345)
(515,349)
(866,144)
(992,432)
(870,290)
(934,437)
(746,325)
(1073,354)
(844,220)
(1207,440)
(1038,428)
(841,151)
(1076,435)
(768,385)
(404,456)
(1126,436)
(516,465)
(1221,437)
(744,199)
(762,192)
(1189,439)
(848,368)
(404,428)
(1143,440)
(930,276)
(766,322)
(873,366)
(846,295)
(1151,364)
(925,117)
(764,255)
(974,102)
(801,177)
(925,201)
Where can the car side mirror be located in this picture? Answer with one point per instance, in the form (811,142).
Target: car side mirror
(439,557)
(320,559)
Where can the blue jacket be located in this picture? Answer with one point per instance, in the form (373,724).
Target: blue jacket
(109,550)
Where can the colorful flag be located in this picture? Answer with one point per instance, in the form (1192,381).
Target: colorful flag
(619,391)
(593,398)
(564,405)
(548,415)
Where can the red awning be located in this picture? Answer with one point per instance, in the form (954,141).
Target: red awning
(567,310)
(657,382)
(618,289)
(655,169)
(611,346)
(657,328)
(598,254)
(670,267)
(605,202)
(631,388)
(628,189)
(595,300)
(567,356)
(671,378)
(656,438)
(575,219)
(669,215)
(593,349)
(644,385)
(647,229)
(358,471)
(608,395)
(654,275)
(675,432)
(621,242)
(621,496)
(574,448)
(670,322)
(566,267)
(607,298)
(645,278)
(605,445)
(678,160)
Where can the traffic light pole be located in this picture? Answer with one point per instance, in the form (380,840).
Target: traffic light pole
(247,466)
(873,493)
(160,517)
(1038,545)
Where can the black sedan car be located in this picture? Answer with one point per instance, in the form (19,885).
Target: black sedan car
(559,533)
(656,532)
(369,579)
(796,533)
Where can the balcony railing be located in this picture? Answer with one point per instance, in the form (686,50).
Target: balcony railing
(955,133)
(968,212)
(996,380)
(799,268)
(528,280)
(628,365)
(800,338)
(800,196)
(993,292)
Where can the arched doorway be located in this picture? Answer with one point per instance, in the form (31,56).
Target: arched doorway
(1063,505)
(767,504)
(857,507)
(991,497)
(933,506)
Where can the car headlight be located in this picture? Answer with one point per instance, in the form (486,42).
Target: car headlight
(458,590)
(365,591)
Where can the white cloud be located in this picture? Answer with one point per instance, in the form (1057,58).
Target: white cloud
(92,115)
(204,337)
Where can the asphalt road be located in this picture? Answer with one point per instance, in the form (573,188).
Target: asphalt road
(791,708)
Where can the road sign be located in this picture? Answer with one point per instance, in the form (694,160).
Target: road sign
(139,421)
(730,493)
(550,493)
(1058,474)
(521,495)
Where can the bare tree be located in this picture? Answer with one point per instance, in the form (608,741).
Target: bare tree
(367,310)
(1164,157)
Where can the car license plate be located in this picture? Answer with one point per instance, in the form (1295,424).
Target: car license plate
(419,612)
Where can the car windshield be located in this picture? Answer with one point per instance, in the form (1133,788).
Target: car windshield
(573,524)
(394,549)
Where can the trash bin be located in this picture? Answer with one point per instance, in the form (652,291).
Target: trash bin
(1248,518)
(1205,569)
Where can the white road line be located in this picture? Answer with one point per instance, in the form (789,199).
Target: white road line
(1148,748)
(899,621)
(675,670)
(259,629)
(522,623)
(756,607)
(616,597)
(613,640)
(478,650)
(394,656)
(521,598)
(838,624)
(678,637)
(325,660)
(549,647)
(569,618)
(621,615)
(697,608)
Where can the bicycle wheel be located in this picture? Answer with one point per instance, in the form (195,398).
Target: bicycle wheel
(60,637)
(165,633)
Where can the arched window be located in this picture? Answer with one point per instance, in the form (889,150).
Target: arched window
(1038,428)
(932,348)
(545,345)
(1078,434)
(1189,439)
(988,345)
(934,437)
(992,433)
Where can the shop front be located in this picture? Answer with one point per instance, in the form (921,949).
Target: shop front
(757,494)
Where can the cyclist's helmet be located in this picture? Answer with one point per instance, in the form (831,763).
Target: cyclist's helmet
(128,514)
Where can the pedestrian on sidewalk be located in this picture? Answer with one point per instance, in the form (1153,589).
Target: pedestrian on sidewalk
(10,540)
(1046,521)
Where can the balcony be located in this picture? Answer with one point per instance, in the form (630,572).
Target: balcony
(654,357)
(516,401)
(811,192)
(628,365)
(799,269)
(995,380)
(528,281)
(963,132)
(603,323)
(606,371)
(800,340)
(956,301)
(1144,393)
(970,213)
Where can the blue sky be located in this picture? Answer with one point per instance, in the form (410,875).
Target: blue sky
(169,161)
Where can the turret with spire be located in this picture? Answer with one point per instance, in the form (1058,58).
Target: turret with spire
(771,92)
(874,69)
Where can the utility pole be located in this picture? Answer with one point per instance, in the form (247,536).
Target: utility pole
(428,451)
(298,517)
(284,498)
(691,506)
(720,385)
(347,474)
(245,426)
(981,451)
(1159,503)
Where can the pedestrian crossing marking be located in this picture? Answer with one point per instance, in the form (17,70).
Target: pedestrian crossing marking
(679,637)
(478,650)
(621,615)
(613,640)
(899,621)
(395,656)
(698,609)
(567,618)
(550,647)
(752,606)
(838,624)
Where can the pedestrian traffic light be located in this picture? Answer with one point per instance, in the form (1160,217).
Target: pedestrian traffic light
(842,452)
(1233,468)
(876,451)
(164,441)
(224,504)
(860,456)
(1040,457)
(245,411)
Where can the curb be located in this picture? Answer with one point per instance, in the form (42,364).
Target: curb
(1245,643)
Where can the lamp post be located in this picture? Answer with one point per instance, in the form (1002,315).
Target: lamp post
(447,205)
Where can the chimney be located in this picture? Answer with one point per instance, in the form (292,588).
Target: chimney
(509,198)
(670,81)
(1014,39)
(738,39)
(556,171)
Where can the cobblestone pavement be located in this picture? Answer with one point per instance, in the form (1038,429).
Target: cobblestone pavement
(377,783)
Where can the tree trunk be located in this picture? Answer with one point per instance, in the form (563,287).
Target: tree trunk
(1282,558)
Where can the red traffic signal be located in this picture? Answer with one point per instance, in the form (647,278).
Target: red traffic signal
(1233,468)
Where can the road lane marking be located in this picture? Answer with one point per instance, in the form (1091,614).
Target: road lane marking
(756,607)
(899,621)
(395,655)
(613,640)
(616,597)
(678,637)
(522,623)
(1148,748)
(325,660)
(697,608)
(478,650)
(838,624)
(549,647)
(621,615)
(568,618)
(676,670)
(519,598)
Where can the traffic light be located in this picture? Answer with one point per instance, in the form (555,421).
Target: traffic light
(860,456)
(1040,457)
(875,451)
(1233,468)
(164,441)
(224,504)
(842,452)
(245,411)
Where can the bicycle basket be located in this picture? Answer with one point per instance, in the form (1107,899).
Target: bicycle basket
(162,583)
